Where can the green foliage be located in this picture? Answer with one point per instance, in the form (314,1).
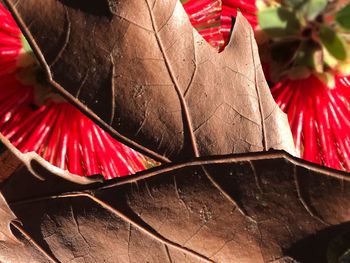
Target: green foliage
(312,8)
(278,22)
(333,43)
(26,45)
(343,17)
(295,4)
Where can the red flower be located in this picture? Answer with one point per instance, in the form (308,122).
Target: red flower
(313,91)
(229,9)
(213,18)
(10,46)
(319,118)
(55,130)
(204,17)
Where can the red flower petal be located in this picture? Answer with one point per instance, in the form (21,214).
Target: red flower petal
(319,118)
(213,18)
(58,132)
(10,42)
(229,10)
(62,135)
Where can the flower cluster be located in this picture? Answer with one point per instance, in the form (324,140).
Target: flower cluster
(35,119)
(213,18)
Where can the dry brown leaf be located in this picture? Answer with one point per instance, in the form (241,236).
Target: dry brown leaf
(265,207)
(141,71)
(174,95)
(11,250)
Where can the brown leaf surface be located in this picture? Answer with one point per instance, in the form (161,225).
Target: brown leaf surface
(148,76)
(141,71)
(274,208)
(11,250)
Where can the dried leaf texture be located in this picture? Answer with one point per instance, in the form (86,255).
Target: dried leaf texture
(11,250)
(150,79)
(275,208)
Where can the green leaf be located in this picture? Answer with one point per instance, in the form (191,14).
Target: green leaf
(295,4)
(343,17)
(311,55)
(26,45)
(333,43)
(278,22)
(313,8)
